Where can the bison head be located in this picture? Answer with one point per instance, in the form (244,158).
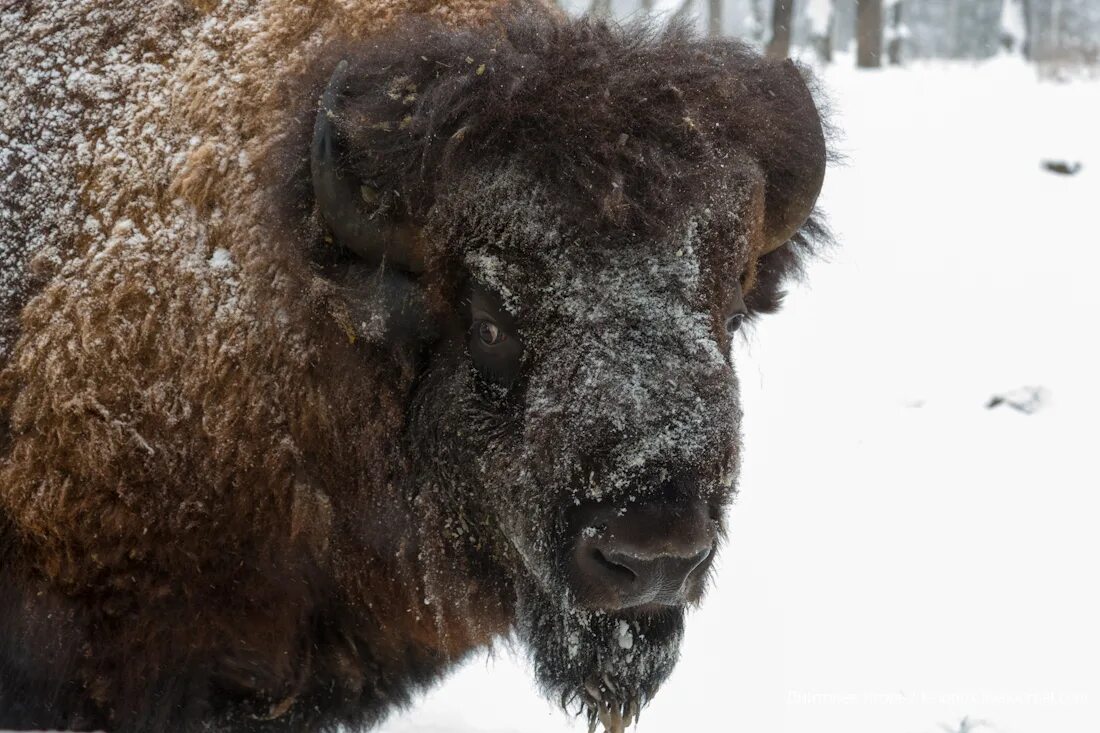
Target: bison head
(578,217)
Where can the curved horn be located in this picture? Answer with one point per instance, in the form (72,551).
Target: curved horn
(794,156)
(342,200)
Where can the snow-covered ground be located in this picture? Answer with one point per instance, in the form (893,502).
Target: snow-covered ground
(902,557)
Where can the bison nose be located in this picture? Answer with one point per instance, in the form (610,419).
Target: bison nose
(653,554)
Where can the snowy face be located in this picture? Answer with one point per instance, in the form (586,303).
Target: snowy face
(589,387)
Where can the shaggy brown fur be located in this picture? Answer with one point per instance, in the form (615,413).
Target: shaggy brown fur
(138,341)
(221,475)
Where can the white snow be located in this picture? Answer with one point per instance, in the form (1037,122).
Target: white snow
(221,259)
(625,636)
(901,556)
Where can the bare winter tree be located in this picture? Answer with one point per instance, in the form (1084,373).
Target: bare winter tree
(958,29)
(897,32)
(869,34)
(683,12)
(756,22)
(1028,28)
(1065,33)
(601,8)
(844,24)
(759,21)
(1017,27)
(953,29)
(779,46)
(714,17)
(822,21)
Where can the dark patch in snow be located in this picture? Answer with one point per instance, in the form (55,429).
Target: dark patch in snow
(1027,400)
(1062,167)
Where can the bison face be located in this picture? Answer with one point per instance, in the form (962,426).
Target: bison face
(589,386)
(585,211)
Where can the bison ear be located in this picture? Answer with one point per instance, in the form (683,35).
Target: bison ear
(788,139)
(349,207)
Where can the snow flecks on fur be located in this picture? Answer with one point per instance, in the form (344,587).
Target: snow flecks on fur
(664,420)
(221,259)
(635,383)
(91,146)
(127,121)
(625,635)
(512,209)
(64,110)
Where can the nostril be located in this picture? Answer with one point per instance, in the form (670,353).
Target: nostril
(699,559)
(620,569)
(652,554)
(663,575)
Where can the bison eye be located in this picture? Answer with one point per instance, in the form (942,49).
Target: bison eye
(492,340)
(736,311)
(490,333)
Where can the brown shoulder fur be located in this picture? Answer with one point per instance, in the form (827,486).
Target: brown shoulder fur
(164,399)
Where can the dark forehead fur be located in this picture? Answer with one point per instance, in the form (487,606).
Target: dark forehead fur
(631,126)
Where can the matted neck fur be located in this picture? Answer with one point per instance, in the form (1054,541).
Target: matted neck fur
(258,478)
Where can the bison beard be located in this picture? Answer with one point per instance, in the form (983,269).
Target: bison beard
(610,665)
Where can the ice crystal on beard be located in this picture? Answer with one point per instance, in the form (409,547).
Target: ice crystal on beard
(625,636)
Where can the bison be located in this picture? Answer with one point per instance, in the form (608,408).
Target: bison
(340,339)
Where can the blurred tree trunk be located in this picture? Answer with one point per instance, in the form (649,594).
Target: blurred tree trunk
(757,8)
(714,18)
(953,29)
(601,8)
(647,5)
(683,13)
(1056,27)
(1025,6)
(821,37)
(869,34)
(844,25)
(779,47)
(1015,26)
(897,33)
(827,41)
